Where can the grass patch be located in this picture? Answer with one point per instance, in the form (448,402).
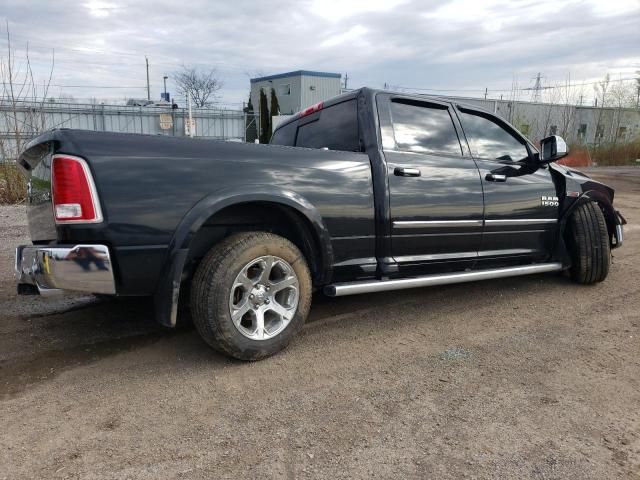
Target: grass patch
(13,184)
(616,154)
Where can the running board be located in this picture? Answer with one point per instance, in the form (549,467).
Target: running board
(370,286)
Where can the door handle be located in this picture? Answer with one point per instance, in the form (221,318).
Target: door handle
(406,172)
(496,177)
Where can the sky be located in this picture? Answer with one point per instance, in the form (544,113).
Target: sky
(457,47)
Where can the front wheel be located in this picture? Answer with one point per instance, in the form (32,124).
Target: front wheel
(251,294)
(588,242)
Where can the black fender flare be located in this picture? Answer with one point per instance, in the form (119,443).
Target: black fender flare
(610,214)
(168,290)
(561,253)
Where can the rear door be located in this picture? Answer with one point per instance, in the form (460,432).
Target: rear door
(521,204)
(435,193)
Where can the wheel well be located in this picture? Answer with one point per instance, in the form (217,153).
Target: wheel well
(257,216)
(605,206)
(607,210)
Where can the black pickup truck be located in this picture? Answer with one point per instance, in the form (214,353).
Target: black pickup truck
(367,192)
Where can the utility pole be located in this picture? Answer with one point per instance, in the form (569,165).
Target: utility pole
(148,88)
(165,88)
(537,88)
(346,79)
(190,116)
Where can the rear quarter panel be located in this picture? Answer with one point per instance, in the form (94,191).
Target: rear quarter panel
(147,184)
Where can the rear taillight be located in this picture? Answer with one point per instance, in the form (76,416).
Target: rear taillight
(74,194)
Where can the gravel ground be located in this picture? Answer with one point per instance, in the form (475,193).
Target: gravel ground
(532,377)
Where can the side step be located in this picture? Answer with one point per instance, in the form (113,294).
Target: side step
(370,286)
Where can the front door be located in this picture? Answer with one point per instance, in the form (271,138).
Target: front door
(435,193)
(521,203)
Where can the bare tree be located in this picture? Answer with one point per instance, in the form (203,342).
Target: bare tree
(201,85)
(621,96)
(601,89)
(638,89)
(22,102)
(554,98)
(568,112)
(22,99)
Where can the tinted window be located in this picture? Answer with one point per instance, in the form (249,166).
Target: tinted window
(488,139)
(424,129)
(285,135)
(336,129)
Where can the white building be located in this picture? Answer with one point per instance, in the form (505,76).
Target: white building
(578,124)
(295,90)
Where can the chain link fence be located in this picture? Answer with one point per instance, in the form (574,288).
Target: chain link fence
(20,121)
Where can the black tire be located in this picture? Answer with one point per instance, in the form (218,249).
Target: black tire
(211,289)
(588,243)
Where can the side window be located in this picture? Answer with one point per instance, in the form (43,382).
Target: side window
(424,128)
(490,140)
(285,135)
(335,129)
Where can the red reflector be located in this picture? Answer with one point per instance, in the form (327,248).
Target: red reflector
(73,193)
(312,109)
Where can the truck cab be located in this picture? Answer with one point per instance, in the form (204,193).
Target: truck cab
(457,187)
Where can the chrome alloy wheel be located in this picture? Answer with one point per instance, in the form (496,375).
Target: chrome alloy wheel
(264,297)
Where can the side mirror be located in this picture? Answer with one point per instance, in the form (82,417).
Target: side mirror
(553,148)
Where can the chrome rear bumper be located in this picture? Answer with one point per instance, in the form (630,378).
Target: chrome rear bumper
(83,268)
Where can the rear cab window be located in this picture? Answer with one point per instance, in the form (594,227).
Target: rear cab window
(334,127)
(285,135)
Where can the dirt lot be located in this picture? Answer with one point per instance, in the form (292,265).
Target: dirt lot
(520,378)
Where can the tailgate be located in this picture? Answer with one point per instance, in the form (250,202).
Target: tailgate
(36,163)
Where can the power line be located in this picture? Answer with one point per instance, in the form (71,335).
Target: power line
(396,87)
(87,86)
(389,86)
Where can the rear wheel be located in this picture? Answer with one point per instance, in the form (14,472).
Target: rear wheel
(251,294)
(588,242)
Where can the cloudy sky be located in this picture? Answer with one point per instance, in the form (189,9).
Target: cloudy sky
(459,46)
